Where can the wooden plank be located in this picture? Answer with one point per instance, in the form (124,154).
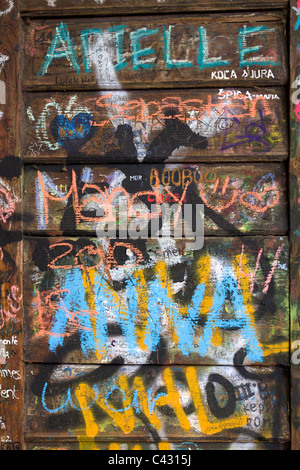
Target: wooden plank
(161,446)
(167,126)
(295,221)
(147,403)
(9,79)
(189,51)
(10,199)
(118,7)
(11,311)
(11,366)
(237,199)
(88,301)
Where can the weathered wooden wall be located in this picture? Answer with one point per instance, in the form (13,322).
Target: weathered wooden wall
(155,342)
(117,7)
(295,220)
(177,51)
(219,125)
(11,245)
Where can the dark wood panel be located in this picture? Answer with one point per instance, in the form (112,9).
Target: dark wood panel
(294,185)
(184,51)
(151,126)
(237,199)
(92,306)
(11,311)
(113,7)
(9,79)
(148,402)
(88,444)
(90,301)
(10,199)
(11,346)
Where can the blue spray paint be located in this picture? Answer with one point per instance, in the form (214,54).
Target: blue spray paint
(61,47)
(72,134)
(138,54)
(172,63)
(119,38)
(73,308)
(243,49)
(73,305)
(203,60)
(85,34)
(227,288)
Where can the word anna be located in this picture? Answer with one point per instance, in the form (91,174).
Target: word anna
(142,57)
(72,313)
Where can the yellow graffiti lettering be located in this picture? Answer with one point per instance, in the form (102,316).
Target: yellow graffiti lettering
(206,426)
(125,418)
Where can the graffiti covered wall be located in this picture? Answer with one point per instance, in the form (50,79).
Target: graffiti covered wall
(156,254)
(11,245)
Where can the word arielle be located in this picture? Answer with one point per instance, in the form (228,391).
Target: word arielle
(141,57)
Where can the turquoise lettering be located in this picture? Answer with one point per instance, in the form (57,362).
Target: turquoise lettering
(138,54)
(243,49)
(172,63)
(203,60)
(119,37)
(85,34)
(61,47)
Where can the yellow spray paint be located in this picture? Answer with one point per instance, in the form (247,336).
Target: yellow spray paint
(245,280)
(88,279)
(125,418)
(171,398)
(142,293)
(206,426)
(85,395)
(204,276)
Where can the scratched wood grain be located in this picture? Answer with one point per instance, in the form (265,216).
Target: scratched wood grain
(237,199)
(11,359)
(294,185)
(79,306)
(116,402)
(105,7)
(218,124)
(11,314)
(84,406)
(189,51)
(10,199)
(87,444)
(9,79)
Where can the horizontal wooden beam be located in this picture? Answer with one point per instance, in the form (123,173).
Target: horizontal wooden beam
(144,403)
(189,51)
(117,7)
(238,199)
(151,126)
(85,307)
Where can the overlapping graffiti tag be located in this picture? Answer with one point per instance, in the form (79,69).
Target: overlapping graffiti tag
(141,267)
(235,199)
(122,126)
(123,301)
(120,298)
(108,55)
(135,307)
(11,312)
(159,402)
